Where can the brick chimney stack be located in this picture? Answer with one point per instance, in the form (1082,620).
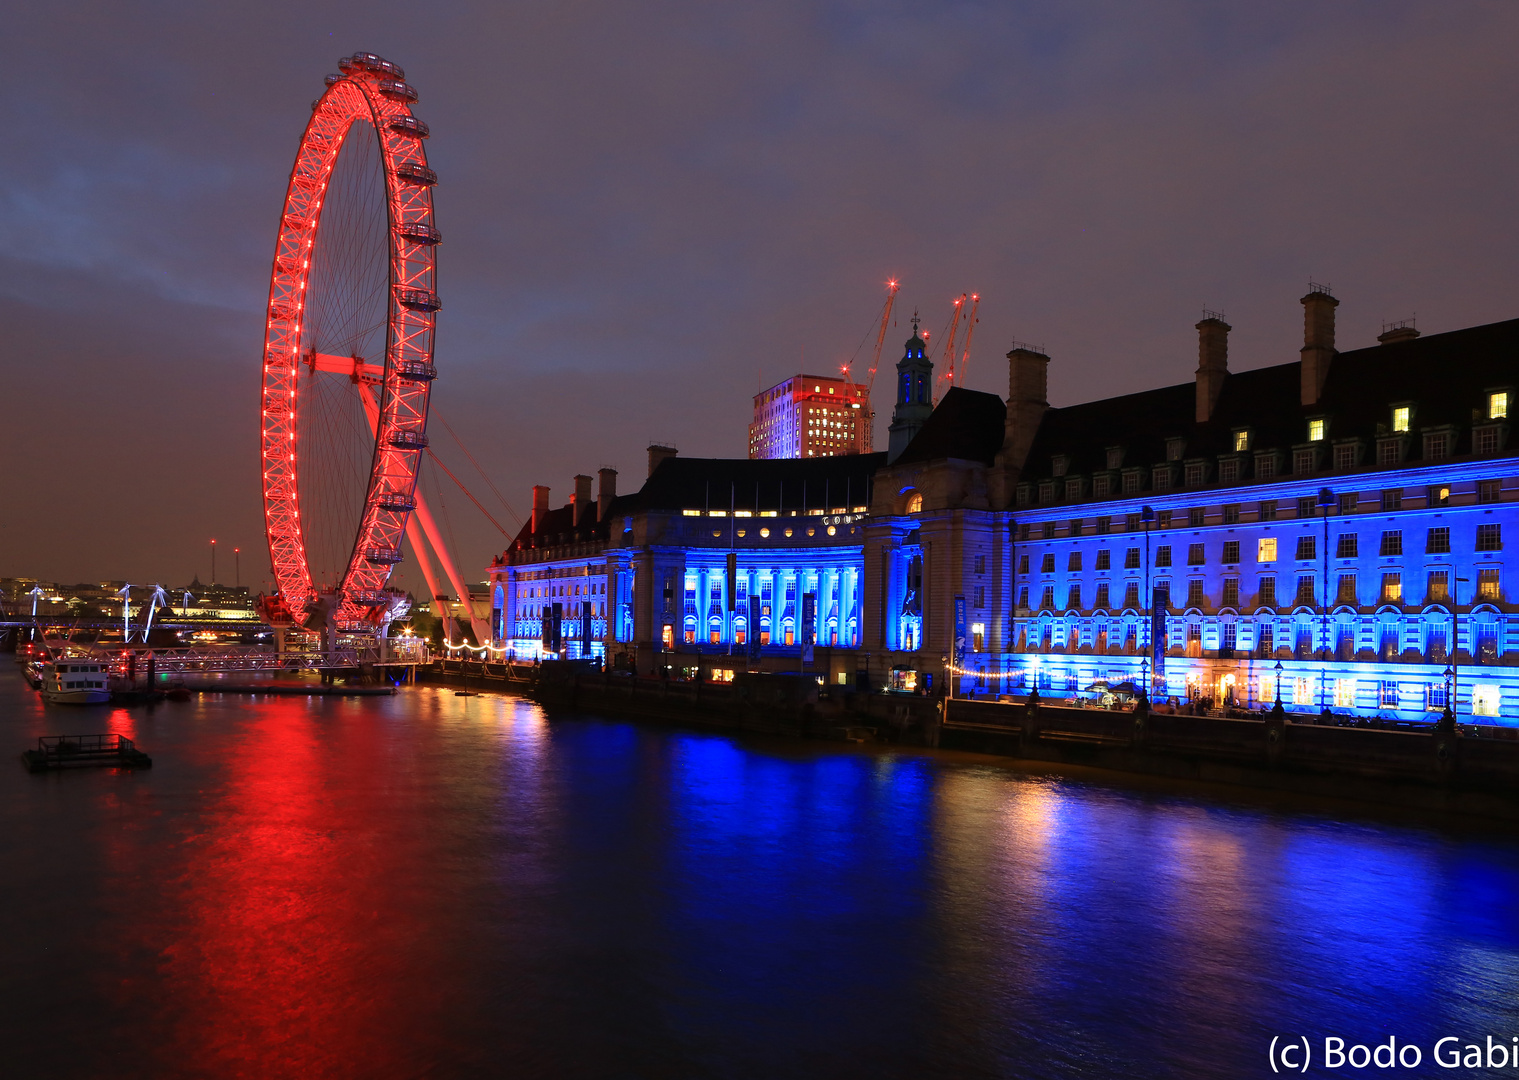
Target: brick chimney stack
(607,493)
(1027,399)
(540,505)
(658,453)
(1318,340)
(1212,362)
(581,500)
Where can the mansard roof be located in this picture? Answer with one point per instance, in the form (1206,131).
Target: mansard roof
(1444,377)
(967,425)
(679,483)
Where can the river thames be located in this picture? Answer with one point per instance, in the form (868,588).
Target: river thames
(432,885)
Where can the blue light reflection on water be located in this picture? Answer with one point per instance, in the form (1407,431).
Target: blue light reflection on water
(460,886)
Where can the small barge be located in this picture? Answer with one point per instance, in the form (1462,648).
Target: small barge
(78,751)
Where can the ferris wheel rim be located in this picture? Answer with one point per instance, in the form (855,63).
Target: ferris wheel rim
(374,91)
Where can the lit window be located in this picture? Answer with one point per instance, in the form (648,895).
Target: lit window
(1344,693)
(1400,417)
(1265,550)
(1315,430)
(1485,699)
(1392,588)
(1497,405)
(1241,441)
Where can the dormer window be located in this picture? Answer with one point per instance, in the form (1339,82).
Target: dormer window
(1241,440)
(1174,448)
(1317,429)
(1437,445)
(1059,464)
(1115,457)
(1497,405)
(1401,416)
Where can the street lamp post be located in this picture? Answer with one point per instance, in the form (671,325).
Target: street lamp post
(1147,515)
(1325,501)
(1455,646)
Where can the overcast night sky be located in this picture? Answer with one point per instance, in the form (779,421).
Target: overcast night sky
(651,209)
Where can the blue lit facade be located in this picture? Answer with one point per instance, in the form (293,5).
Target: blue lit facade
(1415,598)
(1339,530)
(651,571)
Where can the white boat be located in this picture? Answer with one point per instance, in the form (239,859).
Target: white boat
(75,680)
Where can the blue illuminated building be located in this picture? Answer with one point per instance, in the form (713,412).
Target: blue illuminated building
(689,570)
(1330,530)
(1337,524)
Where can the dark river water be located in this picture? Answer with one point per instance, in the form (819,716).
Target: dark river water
(432,885)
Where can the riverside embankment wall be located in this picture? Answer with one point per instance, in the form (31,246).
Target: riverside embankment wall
(1463,769)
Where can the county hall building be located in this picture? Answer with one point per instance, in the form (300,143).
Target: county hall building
(1330,530)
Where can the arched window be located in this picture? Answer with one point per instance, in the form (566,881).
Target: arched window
(915,503)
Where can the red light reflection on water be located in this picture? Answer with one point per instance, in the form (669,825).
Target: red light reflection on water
(284,929)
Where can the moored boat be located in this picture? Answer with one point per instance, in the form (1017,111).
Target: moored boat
(75,680)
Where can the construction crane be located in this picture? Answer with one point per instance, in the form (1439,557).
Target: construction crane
(947,376)
(970,330)
(875,363)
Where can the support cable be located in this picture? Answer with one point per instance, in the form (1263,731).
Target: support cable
(459,442)
(455,479)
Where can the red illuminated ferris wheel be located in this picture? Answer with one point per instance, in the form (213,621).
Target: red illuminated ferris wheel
(348,350)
